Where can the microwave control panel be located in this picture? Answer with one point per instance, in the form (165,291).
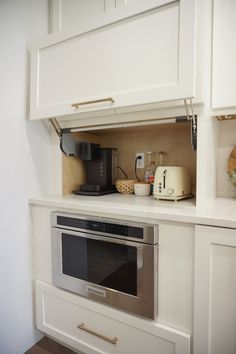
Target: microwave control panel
(104,227)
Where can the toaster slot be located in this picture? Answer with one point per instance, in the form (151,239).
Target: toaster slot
(164,179)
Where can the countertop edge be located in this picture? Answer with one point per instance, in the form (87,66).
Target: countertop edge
(191,215)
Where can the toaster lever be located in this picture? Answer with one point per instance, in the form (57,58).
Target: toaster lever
(164,179)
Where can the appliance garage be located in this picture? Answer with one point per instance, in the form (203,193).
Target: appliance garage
(104,161)
(109,261)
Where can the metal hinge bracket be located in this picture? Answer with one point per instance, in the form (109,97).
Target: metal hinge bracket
(192,117)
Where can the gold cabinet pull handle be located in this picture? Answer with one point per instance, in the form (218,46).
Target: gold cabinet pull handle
(110,340)
(77,105)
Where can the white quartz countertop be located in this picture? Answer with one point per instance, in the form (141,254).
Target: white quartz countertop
(218,212)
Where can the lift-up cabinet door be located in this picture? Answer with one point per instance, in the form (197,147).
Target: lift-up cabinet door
(137,54)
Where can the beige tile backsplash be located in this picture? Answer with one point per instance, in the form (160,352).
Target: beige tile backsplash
(173,139)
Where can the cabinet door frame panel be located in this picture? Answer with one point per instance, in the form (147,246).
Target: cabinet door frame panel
(183,88)
(205,238)
(222,95)
(179,339)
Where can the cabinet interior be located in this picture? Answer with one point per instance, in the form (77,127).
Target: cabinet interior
(173,139)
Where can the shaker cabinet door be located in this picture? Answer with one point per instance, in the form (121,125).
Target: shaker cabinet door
(135,54)
(79,323)
(67,13)
(215,291)
(224,54)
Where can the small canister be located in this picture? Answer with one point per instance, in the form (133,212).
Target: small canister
(142,189)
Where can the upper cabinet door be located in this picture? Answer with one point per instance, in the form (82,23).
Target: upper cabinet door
(139,53)
(224,54)
(66,13)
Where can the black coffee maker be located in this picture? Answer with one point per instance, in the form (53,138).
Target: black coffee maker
(98,164)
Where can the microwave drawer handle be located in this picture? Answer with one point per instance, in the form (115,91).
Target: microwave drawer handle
(110,340)
(77,105)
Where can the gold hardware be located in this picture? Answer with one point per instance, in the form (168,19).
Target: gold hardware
(77,105)
(226,117)
(110,340)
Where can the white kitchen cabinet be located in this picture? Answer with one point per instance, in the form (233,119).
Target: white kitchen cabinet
(67,13)
(124,2)
(136,54)
(59,313)
(224,54)
(215,291)
(175,263)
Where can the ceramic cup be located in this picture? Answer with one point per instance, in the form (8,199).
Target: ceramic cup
(142,189)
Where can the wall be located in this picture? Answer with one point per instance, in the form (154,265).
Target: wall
(25,170)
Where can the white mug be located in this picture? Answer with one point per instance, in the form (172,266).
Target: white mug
(142,189)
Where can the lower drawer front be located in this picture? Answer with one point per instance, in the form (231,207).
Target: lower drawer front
(61,318)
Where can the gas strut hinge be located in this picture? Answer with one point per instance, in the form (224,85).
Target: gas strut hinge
(56,126)
(192,117)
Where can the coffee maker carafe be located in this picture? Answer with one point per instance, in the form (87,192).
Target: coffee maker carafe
(100,166)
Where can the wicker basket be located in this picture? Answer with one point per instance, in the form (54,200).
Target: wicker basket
(125,186)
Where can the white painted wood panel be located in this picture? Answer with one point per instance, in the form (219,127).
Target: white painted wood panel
(124,2)
(41,244)
(59,313)
(175,270)
(73,11)
(223,299)
(140,53)
(215,291)
(224,54)
(67,13)
(98,69)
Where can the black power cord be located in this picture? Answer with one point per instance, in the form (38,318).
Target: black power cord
(126,176)
(135,166)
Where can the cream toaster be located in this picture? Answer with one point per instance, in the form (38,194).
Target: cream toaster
(171,183)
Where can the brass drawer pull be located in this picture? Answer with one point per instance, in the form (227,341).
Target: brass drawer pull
(77,105)
(110,340)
